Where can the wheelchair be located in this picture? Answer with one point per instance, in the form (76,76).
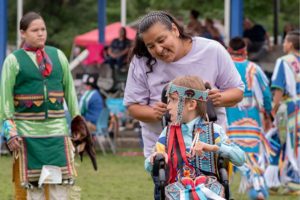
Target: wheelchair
(159,172)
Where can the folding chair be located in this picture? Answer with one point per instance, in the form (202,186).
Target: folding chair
(102,131)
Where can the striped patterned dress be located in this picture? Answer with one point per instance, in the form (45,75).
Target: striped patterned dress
(286,77)
(245,124)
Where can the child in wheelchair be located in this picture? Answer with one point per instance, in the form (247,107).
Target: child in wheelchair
(190,145)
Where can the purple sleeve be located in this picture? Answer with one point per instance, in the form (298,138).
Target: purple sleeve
(228,76)
(136,90)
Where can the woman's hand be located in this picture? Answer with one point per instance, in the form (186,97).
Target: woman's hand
(14,143)
(215,96)
(159,109)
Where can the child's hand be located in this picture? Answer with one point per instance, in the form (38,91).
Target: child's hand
(201,147)
(156,153)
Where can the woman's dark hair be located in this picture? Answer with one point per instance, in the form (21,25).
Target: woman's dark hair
(139,48)
(294,38)
(237,43)
(27,19)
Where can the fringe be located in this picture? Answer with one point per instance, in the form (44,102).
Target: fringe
(210,194)
(243,184)
(272,176)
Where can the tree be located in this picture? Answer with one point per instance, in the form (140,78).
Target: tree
(67,18)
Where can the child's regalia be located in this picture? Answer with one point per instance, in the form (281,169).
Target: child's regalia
(249,137)
(191,177)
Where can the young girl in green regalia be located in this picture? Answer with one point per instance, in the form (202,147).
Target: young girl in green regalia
(35,82)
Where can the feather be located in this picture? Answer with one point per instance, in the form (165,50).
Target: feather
(82,139)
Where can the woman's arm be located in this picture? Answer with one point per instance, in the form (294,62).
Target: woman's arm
(146,113)
(227,98)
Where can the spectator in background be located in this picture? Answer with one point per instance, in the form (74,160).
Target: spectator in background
(118,50)
(219,24)
(212,32)
(257,40)
(287,28)
(91,102)
(194,27)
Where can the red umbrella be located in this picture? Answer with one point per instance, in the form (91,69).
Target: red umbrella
(111,32)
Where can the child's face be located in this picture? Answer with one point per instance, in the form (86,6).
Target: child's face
(188,111)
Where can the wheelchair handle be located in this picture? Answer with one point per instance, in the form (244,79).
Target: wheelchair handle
(159,166)
(166,117)
(159,170)
(158,163)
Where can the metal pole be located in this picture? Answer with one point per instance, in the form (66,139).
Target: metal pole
(19,16)
(101,20)
(3,31)
(123,12)
(275,25)
(236,18)
(227,21)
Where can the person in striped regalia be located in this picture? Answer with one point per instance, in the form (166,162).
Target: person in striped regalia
(244,121)
(286,86)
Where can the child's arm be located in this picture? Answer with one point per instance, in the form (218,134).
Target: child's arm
(228,149)
(201,147)
(159,148)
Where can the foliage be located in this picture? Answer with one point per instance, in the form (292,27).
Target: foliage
(67,18)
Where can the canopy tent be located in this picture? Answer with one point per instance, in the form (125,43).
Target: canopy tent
(111,32)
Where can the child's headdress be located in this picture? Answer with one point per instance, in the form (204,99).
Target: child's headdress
(185,93)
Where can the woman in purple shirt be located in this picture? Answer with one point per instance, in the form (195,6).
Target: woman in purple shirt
(163,51)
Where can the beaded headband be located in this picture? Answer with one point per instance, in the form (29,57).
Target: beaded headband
(185,93)
(241,51)
(188,92)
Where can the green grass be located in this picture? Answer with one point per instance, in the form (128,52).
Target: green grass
(119,177)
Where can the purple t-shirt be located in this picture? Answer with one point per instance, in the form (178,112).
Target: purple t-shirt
(207,59)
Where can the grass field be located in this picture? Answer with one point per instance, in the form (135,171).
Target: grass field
(119,177)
